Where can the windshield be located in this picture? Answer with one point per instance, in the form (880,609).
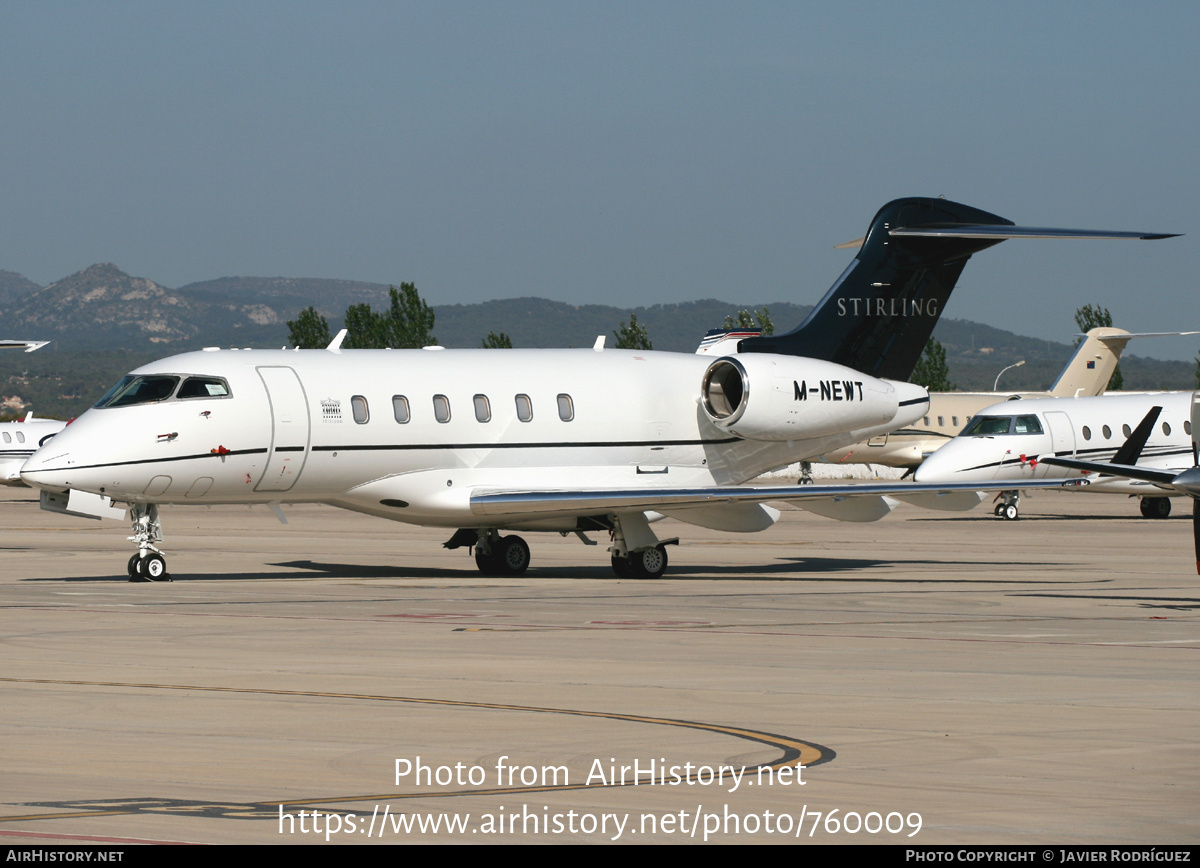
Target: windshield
(152,388)
(139,390)
(992,426)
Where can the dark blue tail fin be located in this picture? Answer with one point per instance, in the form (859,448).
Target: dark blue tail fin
(879,315)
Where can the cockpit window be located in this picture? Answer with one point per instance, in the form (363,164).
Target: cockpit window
(1027,425)
(987,426)
(994,426)
(152,388)
(144,389)
(203,387)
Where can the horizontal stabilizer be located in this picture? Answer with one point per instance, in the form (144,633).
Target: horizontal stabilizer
(1001,233)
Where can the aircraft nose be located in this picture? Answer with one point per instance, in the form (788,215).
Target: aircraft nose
(938,467)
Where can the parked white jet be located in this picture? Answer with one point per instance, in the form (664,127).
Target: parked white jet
(1086,373)
(550,440)
(1012,440)
(19,440)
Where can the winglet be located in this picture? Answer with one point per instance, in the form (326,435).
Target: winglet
(335,345)
(1131,449)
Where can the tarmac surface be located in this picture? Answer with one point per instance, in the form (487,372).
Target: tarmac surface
(952,677)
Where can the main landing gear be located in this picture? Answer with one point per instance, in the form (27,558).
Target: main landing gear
(1156,507)
(636,552)
(1007,508)
(148,564)
(646,564)
(497,555)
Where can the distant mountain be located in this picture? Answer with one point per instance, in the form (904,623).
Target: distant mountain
(290,295)
(102,307)
(13,286)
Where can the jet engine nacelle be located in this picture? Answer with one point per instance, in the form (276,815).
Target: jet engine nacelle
(769,397)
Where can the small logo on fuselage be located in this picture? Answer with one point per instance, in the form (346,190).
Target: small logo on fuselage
(331,410)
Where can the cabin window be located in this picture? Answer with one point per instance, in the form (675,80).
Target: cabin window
(1166,429)
(566,408)
(441,408)
(361,413)
(926,421)
(941,421)
(7,437)
(1107,432)
(483,409)
(20,436)
(142,389)
(954,419)
(203,387)
(400,409)
(1087,433)
(1187,426)
(524,408)
(1125,430)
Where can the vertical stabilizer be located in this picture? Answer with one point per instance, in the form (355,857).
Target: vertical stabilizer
(879,315)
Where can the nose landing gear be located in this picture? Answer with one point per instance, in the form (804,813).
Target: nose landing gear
(148,564)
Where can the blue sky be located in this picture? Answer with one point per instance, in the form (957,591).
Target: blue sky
(618,153)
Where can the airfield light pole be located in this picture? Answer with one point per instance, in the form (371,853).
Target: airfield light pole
(996,385)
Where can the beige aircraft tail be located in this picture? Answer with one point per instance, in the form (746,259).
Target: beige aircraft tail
(1092,366)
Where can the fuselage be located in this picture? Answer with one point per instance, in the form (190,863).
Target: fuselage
(1005,441)
(409,434)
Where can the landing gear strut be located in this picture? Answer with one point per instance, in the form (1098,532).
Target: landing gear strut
(1007,509)
(148,565)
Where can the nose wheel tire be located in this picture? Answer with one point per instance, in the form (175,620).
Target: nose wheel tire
(1008,512)
(151,568)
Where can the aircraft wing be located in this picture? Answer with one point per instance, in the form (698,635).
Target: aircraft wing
(27,346)
(551,504)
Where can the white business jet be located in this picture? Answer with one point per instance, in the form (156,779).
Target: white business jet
(19,440)
(537,440)
(1086,373)
(1012,441)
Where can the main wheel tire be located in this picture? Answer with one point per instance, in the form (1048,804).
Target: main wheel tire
(153,567)
(649,564)
(485,563)
(999,510)
(622,567)
(132,567)
(1156,507)
(1010,512)
(512,556)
